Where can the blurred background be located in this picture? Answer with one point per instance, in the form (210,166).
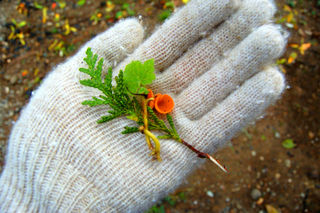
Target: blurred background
(273,164)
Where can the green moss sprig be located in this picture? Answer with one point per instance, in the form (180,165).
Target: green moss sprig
(130,97)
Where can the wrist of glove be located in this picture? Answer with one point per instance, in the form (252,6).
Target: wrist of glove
(60,159)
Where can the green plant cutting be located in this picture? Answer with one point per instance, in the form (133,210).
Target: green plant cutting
(130,97)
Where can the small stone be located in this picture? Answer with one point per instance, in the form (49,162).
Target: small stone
(261,158)
(210,193)
(13,79)
(10,113)
(7,90)
(277,175)
(258,175)
(311,135)
(260,201)
(253,153)
(289,25)
(227,199)
(289,180)
(255,194)
(20,91)
(287,162)
(238,205)
(308,32)
(277,135)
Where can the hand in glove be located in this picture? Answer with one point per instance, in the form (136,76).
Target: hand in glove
(213,57)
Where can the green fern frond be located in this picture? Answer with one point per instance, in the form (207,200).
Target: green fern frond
(116,97)
(130,130)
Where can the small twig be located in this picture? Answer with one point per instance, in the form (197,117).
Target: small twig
(204,155)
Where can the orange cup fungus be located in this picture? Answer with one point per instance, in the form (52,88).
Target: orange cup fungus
(162,103)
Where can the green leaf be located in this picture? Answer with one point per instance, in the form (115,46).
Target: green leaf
(22,24)
(164,15)
(14,21)
(169,4)
(37,5)
(62,4)
(119,15)
(138,75)
(171,201)
(81,2)
(288,144)
(182,196)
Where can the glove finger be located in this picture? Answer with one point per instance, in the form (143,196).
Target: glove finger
(258,49)
(199,59)
(183,29)
(235,112)
(113,46)
(117,42)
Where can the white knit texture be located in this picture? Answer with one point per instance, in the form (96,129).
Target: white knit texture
(213,56)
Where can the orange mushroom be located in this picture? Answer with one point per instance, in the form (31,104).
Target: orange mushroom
(163,103)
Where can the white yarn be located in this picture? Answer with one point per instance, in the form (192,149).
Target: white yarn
(60,160)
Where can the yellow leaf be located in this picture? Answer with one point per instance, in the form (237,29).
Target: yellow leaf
(73,29)
(185,1)
(44,15)
(271,209)
(294,46)
(289,17)
(287,8)
(110,6)
(304,47)
(53,45)
(36,71)
(68,28)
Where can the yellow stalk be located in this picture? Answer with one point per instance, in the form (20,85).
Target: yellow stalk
(156,143)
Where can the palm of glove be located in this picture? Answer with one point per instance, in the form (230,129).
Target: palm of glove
(61,159)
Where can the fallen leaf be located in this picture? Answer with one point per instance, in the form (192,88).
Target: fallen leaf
(281,61)
(271,209)
(296,46)
(44,15)
(304,47)
(288,144)
(24,73)
(287,8)
(289,17)
(292,57)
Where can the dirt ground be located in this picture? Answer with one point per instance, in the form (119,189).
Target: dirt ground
(265,174)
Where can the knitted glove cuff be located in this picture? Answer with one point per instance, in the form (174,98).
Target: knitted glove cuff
(60,187)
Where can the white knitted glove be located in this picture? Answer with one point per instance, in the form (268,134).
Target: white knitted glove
(212,56)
